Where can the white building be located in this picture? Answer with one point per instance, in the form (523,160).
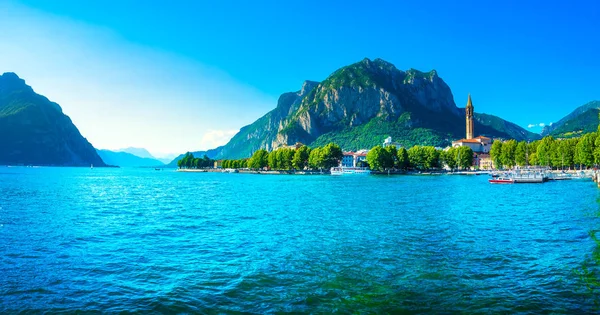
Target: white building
(388,142)
(479,144)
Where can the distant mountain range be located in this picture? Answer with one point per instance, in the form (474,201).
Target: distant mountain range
(359,105)
(125,159)
(212,154)
(35,131)
(583,119)
(143,153)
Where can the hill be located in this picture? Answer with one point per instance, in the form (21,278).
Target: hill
(583,123)
(124,159)
(35,131)
(579,120)
(140,152)
(359,105)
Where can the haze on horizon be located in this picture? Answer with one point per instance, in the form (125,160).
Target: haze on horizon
(185,78)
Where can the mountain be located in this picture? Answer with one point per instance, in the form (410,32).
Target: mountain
(124,159)
(583,123)
(140,152)
(577,120)
(35,131)
(212,153)
(359,105)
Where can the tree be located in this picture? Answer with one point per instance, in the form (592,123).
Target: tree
(448,158)
(544,151)
(272,160)
(332,155)
(300,159)
(402,159)
(507,154)
(259,159)
(315,159)
(496,153)
(432,157)
(585,148)
(280,159)
(532,153)
(521,153)
(417,157)
(464,157)
(597,150)
(391,156)
(288,155)
(378,158)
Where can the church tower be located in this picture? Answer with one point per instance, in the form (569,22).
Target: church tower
(469,112)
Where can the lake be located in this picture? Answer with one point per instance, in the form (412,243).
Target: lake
(111,240)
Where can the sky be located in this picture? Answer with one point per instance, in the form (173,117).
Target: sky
(187,76)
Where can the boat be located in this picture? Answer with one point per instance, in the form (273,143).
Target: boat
(91,165)
(350,171)
(501,180)
(230,170)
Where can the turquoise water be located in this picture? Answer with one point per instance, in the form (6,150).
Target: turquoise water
(143,240)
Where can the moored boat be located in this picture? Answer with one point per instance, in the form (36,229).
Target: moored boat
(501,180)
(350,171)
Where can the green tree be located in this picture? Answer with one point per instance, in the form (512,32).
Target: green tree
(332,155)
(378,158)
(402,159)
(392,156)
(288,156)
(448,158)
(533,160)
(544,151)
(585,148)
(496,154)
(432,157)
(272,160)
(521,154)
(259,159)
(315,158)
(597,150)
(417,157)
(507,154)
(300,159)
(464,157)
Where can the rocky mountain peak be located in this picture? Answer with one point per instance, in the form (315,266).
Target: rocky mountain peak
(307,86)
(11,81)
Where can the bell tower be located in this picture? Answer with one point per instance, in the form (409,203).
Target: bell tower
(469,114)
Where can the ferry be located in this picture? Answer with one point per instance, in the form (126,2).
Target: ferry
(501,180)
(350,171)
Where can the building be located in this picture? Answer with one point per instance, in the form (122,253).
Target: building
(480,145)
(218,164)
(348,159)
(354,159)
(483,161)
(388,142)
(469,116)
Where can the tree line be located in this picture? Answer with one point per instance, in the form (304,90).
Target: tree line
(579,152)
(419,158)
(302,158)
(189,161)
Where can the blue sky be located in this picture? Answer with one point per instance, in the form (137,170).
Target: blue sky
(172,78)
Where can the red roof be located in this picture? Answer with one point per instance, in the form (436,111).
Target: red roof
(468,141)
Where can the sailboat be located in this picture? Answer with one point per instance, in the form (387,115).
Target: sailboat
(91,165)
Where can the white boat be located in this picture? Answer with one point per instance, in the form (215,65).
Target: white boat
(350,171)
(230,170)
